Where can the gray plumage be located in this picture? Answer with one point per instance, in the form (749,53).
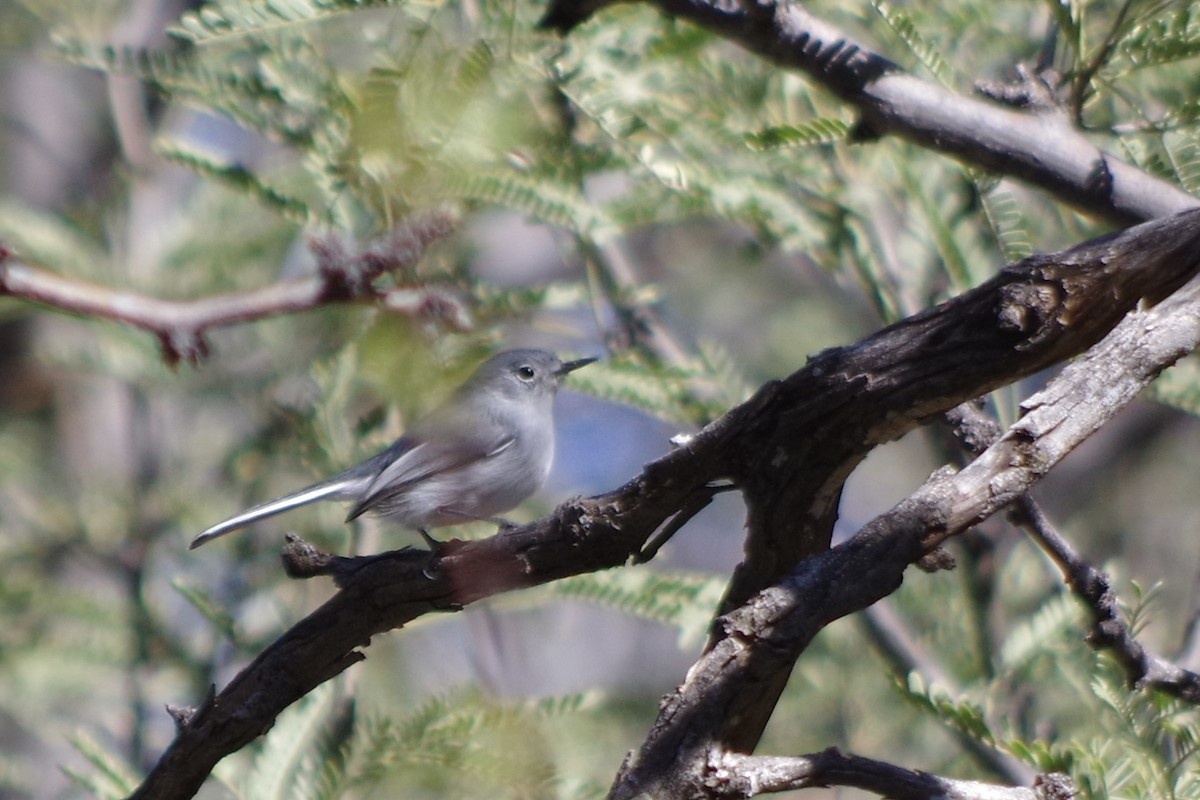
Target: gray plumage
(485,450)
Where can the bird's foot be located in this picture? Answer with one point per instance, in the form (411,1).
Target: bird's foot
(435,546)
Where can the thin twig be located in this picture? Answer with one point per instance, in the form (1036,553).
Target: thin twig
(735,775)
(1109,631)
(1091,585)
(180,325)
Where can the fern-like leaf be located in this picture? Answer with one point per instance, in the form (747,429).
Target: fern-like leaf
(671,393)
(159,68)
(49,240)
(904,27)
(235,176)
(113,777)
(544,200)
(200,600)
(1031,636)
(959,714)
(1007,223)
(450,736)
(280,770)
(682,600)
(815,132)
(1041,755)
(1184,152)
(219,23)
(1154,41)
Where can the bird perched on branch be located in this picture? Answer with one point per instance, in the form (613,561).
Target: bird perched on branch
(481,453)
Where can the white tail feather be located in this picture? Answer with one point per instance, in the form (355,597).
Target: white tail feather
(328,490)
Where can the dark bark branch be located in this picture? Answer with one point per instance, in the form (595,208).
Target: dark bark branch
(738,776)
(1040,147)
(762,638)
(1091,585)
(852,399)
(788,448)
(1109,631)
(180,325)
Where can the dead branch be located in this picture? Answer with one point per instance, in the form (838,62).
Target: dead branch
(734,775)
(342,276)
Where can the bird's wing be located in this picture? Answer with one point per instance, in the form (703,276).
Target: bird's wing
(422,459)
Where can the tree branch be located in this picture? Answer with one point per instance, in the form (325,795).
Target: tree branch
(788,448)
(1042,308)
(180,325)
(1091,585)
(765,635)
(1040,147)
(1109,631)
(734,775)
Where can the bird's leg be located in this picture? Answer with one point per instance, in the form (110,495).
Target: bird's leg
(433,544)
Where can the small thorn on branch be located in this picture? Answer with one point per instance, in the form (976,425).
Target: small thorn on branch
(429,303)
(183,344)
(181,714)
(349,275)
(304,560)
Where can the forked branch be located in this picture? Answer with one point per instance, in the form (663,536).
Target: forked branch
(342,276)
(845,401)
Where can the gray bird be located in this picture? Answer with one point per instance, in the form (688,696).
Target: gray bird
(479,454)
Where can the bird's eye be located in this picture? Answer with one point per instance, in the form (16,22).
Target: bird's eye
(525,372)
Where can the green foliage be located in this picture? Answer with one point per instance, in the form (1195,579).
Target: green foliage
(684,601)
(235,176)
(213,23)
(1179,387)
(203,602)
(725,178)
(1007,223)
(1054,620)
(696,392)
(48,239)
(962,715)
(1078,714)
(1170,32)
(905,28)
(460,744)
(111,779)
(1147,747)
(547,201)
(293,755)
(654,101)
(815,132)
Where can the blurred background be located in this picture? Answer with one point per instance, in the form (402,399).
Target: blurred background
(641,192)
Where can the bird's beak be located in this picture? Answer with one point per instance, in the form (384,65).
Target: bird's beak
(571,366)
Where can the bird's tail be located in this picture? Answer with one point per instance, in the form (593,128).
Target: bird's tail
(339,488)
